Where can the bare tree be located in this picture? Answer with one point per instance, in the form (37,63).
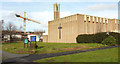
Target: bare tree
(11,28)
(40,34)
(2,21)
(1,26)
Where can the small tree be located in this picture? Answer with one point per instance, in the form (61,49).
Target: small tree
(110,40)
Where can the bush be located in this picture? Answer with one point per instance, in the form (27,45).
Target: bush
(96,38)
(85,38)
(91,38)
(99,37)
(116,36)
(110,40)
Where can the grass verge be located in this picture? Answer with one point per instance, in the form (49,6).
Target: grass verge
(18,48)
(106,55)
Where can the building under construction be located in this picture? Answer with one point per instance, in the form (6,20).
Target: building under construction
(18,36)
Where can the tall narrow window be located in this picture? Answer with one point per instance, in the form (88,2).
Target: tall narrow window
(89,18)
(107,21)
(97,19)
(100,20)
(103,20)
(84,18)
(59,31)
(115,24)
(93,19)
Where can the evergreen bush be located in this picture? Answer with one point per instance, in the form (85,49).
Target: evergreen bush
(97,38)
(110,40)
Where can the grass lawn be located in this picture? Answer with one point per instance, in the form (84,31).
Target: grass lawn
(47,47)
(106,55)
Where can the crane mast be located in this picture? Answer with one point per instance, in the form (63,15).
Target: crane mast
(24,23)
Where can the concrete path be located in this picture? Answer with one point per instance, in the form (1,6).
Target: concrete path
(32,57)
(7,55)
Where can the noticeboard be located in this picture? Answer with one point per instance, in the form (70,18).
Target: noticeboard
(33,38)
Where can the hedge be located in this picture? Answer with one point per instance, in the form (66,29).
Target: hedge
(96,38)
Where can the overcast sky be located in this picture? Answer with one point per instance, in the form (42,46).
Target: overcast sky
(42,10)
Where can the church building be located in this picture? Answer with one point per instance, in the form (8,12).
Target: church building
(66,29)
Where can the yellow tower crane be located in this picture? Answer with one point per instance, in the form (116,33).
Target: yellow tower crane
(24,21)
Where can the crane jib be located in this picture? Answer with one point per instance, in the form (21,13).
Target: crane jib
(24,25)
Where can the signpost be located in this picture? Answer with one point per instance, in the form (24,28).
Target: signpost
(33,39)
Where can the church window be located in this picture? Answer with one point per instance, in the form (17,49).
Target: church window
(60,28)
(93,19)
(84,18)
(103,20)
(107,21)
(89,18)
(96,19)
(59,33)
(100,20)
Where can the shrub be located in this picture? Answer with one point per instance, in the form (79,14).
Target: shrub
(91,38)
(85,38)
(116,36)
(97,38)
(110,40)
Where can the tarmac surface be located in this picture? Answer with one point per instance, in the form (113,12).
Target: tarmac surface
(0,56)
(9,57)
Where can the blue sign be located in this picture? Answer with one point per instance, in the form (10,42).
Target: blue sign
(33,38)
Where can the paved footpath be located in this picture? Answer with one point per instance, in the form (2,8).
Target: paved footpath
(7,55)
(32,57)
